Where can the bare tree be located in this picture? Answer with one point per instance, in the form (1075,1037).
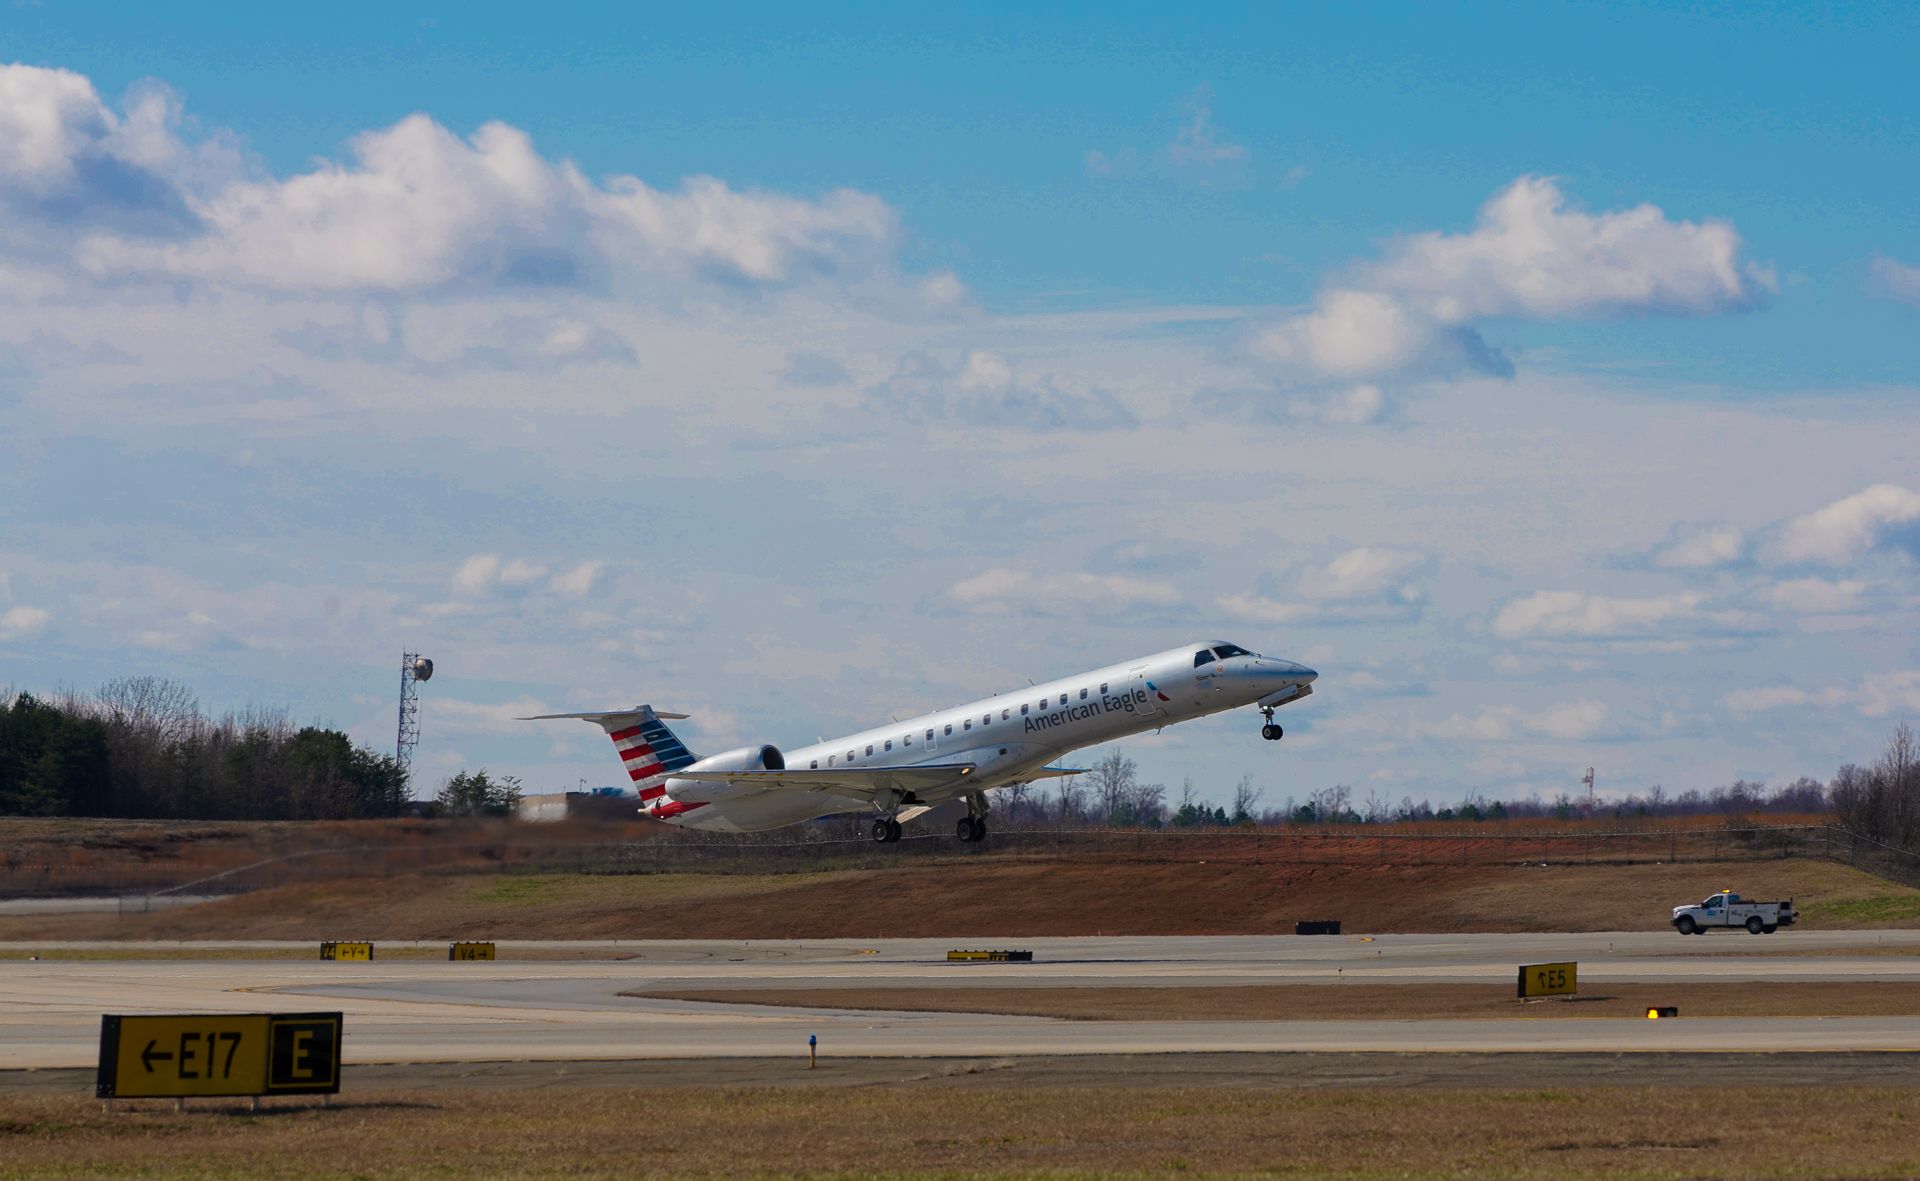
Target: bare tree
(1111,781)
(167,710)
(1331,804)
(1245,796)
(1379,807)
(1145,804)
(1072,797)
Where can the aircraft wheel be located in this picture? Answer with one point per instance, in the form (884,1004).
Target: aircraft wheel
(979,828)
(883,830)
(893,831)
(964,830)
(1271,732)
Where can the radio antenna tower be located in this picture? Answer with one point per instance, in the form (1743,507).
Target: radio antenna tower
(413,669)
(1588,780)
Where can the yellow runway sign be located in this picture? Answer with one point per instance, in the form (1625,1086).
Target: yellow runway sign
(332,950)
(1548,980)
(471,951)
(179,1057)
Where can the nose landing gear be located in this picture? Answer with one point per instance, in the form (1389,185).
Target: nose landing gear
(1270,732)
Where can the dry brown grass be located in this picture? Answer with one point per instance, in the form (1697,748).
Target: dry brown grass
(1001,899)
(1342,1002)
(988,1131)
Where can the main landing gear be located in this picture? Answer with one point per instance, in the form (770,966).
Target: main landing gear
(886,830)
(973,826)
(1270,732)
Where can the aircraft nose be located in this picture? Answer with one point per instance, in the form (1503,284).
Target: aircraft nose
(1286,672)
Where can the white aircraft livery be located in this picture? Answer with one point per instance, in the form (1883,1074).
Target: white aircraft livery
(901,770)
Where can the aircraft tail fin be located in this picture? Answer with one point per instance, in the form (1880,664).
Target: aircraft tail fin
(650,751)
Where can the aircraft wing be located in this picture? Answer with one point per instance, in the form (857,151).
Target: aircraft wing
(863,783)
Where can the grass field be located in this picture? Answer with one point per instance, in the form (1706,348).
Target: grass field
(987,1131)
(1002,899)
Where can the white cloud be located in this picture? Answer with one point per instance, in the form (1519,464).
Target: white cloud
(476,573)
(1566,722)
(1198,142)
(415,207)
(69,161)
(1894,280)
(1002,590)
(984,390)
(18,622)
(475,717)
(1355,406)
(483,572)
(1848,528)
(1702,548)
(579,580)
(1366,583)
(1529,256)
(1199,152)
(1125,162)
(1576,615)
(1878,695)
(1363,573)
(1532,256)
(1816,596)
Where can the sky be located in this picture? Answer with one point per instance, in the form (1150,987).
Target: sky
(1545,376)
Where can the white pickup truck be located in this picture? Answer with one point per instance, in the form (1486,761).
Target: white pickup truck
(1729,910)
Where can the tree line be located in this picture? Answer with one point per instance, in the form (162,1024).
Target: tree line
(141,747)
(1879,800)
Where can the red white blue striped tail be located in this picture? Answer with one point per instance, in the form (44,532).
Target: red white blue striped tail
(649,751)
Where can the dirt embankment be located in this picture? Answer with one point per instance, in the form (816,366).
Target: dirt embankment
(1004,899)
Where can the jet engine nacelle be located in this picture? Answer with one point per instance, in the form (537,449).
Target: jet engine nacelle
(746,758)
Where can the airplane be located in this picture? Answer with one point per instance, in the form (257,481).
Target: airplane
(903,769)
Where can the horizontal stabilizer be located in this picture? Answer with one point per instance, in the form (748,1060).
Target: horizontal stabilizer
(608,715)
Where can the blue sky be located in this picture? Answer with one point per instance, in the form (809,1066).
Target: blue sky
(1545,376)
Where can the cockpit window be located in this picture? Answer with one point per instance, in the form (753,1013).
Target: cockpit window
(1226,650)
(1203,656)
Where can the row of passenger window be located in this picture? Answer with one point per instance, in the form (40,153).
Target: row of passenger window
(906,740)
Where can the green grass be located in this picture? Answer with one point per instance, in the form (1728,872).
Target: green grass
(1875,908)
(531,890)
(973,1131)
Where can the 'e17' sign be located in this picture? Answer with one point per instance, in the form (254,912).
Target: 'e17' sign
(184,1056)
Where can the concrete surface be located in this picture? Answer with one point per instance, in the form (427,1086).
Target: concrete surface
(440,1012)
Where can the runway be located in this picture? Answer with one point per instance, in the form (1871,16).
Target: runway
(423,1011)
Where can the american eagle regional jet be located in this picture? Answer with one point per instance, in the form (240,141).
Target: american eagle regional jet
(901,770)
